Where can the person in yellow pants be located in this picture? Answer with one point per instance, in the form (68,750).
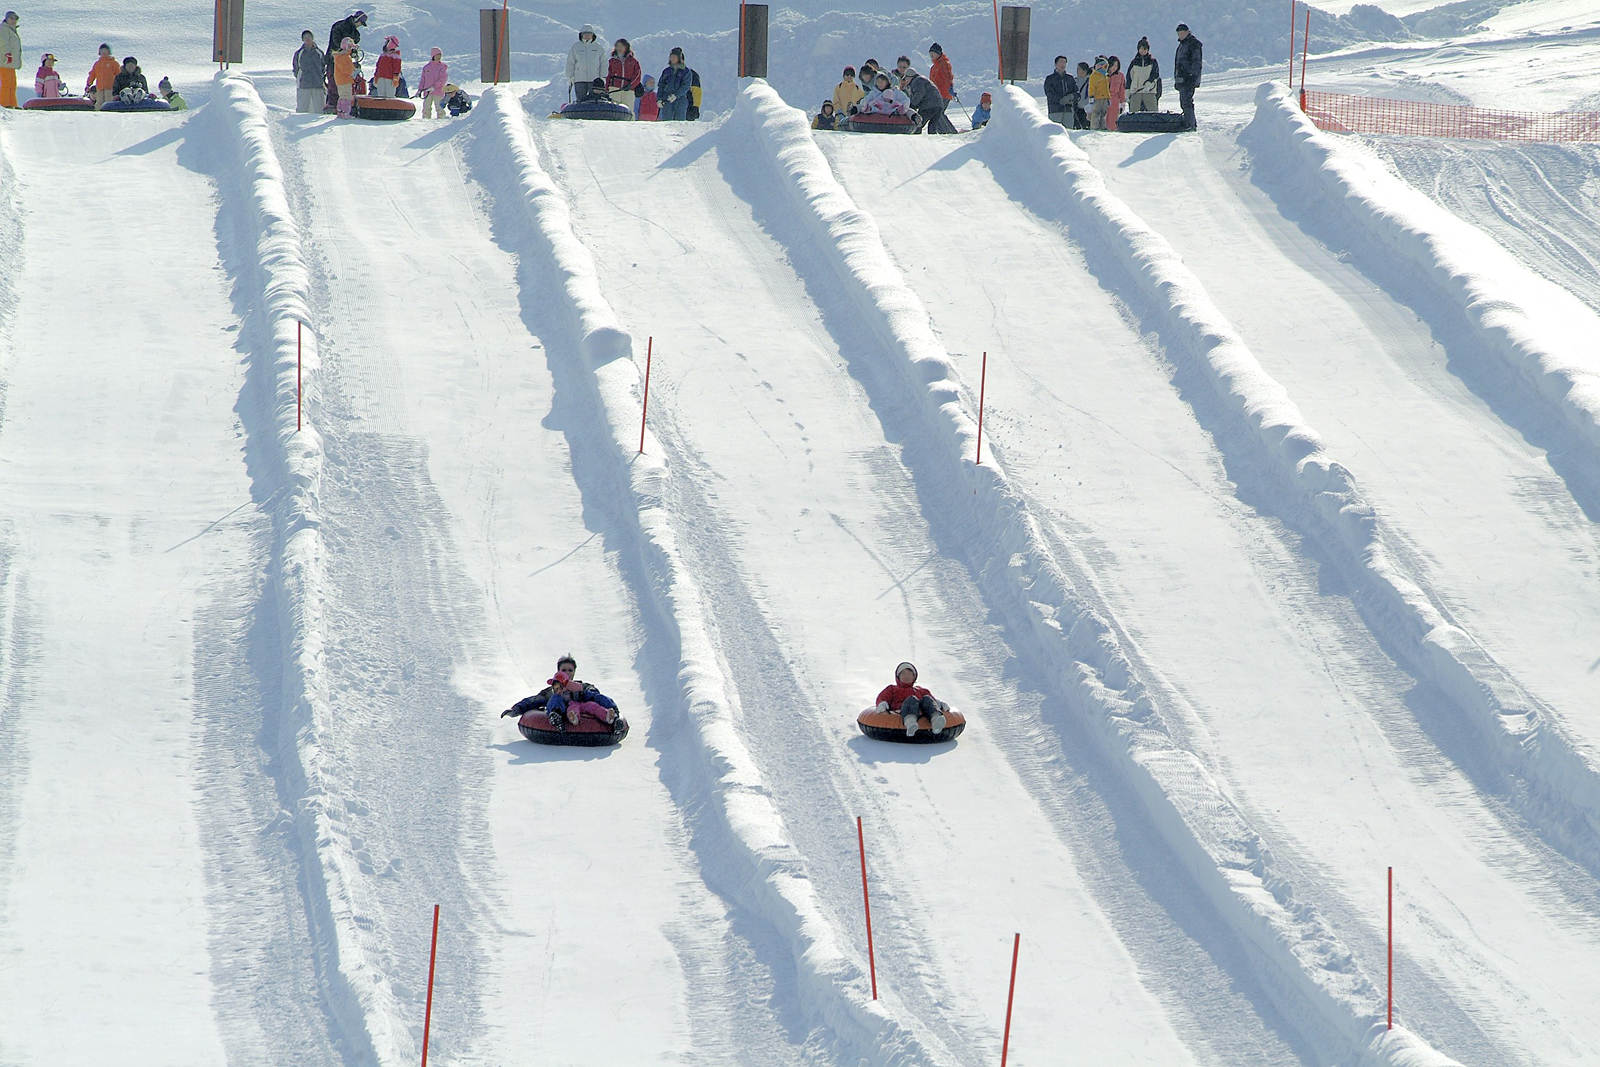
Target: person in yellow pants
(10,59)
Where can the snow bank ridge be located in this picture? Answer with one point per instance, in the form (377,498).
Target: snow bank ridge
(832,983)
(1555,782)
(1542,333)
(349,982)
(1019,570)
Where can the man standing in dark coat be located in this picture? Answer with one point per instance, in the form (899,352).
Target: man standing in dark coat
(1061,94)
(1186,66)
(926,101)
(347,27)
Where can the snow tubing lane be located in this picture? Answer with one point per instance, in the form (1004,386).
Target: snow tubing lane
(603,110)
(382,108)
(882,124)
(888,726)
(147,104)
(60,103)
(535,726)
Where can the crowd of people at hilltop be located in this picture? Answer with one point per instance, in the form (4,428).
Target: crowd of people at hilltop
(1092,97)
(329,81)
(108,80)
(598,71)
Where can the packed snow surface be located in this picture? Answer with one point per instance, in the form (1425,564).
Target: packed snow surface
(1277,564)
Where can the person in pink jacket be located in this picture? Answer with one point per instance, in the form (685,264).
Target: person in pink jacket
(1119,91)
(435,76)
(47,83)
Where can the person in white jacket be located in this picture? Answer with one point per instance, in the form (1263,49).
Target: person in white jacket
(585,62)
(10,59)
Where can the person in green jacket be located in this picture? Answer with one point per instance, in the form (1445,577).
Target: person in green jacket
(165,90)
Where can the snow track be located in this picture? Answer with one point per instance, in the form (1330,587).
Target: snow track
(129,559)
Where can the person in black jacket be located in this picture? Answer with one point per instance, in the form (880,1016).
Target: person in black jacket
(1186,66)
(130,82)
(1144,80)
(927,102)
(1061,94)
(345,27)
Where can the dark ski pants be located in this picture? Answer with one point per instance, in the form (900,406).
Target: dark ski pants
(1186,102)
(919,706)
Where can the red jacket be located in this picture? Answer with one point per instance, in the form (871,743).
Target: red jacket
(388,67)
(942,76)
(624,73)
(897,694)
(650,107)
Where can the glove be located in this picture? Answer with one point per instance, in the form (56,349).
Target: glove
(943,707)
(883,705)
(508,713)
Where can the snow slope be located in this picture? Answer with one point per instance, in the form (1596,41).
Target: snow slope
(132,558)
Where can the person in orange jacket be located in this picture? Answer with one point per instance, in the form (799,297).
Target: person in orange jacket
(103,76)
(10,59)
(941,74)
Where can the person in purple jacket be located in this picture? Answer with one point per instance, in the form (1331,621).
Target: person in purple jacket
(435,76)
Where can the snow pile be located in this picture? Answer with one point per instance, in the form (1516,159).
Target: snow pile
(832,984)
(1559,779)
(1541,332)
(1049,600)
(299,554)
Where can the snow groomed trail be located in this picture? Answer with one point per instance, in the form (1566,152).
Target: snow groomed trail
(579,914)
(1223,245)
(130,559)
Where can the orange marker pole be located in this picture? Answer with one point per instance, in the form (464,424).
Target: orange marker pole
(866,903)
(983,380)
(999,53)
(649,347)
(427,1014)
(1005,1042)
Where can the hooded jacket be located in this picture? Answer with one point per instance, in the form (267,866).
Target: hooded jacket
(344,68)
(943,76)
(1144,75)
(435,76)
(846,94)
(586,60)
(342,29)
(389,62)
(310,67)
(103,75)
(47,83)
(134,80)
(1187,63)
(923,94)
(624,72)
(10,47)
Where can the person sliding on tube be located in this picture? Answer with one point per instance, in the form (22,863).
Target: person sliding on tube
(909,700)
(564,698)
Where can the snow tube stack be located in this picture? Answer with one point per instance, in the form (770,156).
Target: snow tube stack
(603,110)
(888,726)
(1151,122)
(382,108)
(60,103)
(149,103)
(882,124)
(587,733)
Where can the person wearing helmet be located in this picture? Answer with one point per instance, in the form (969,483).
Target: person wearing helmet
(909,700)
(47,83)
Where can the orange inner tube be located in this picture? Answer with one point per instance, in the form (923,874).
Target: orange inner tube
(384,103)
(891,720)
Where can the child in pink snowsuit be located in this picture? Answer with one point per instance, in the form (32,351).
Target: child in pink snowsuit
(435,76)
(580,701)
(1119,91)
(47,83)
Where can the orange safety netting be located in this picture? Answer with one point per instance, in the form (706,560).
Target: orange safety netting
(1376,114)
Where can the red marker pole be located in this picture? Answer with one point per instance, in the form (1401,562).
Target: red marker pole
(649,347)
(983,380)
(1292,13)
(866,903)
(1305,46)
(741,39)
(1391,948)
(299,372)
(1005,1042)
(427,1015)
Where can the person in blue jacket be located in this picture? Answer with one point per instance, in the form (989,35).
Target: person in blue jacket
(564,697)
(673,89)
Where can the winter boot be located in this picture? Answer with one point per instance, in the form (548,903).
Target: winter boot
(558,720)
(911,724)
(937,719)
